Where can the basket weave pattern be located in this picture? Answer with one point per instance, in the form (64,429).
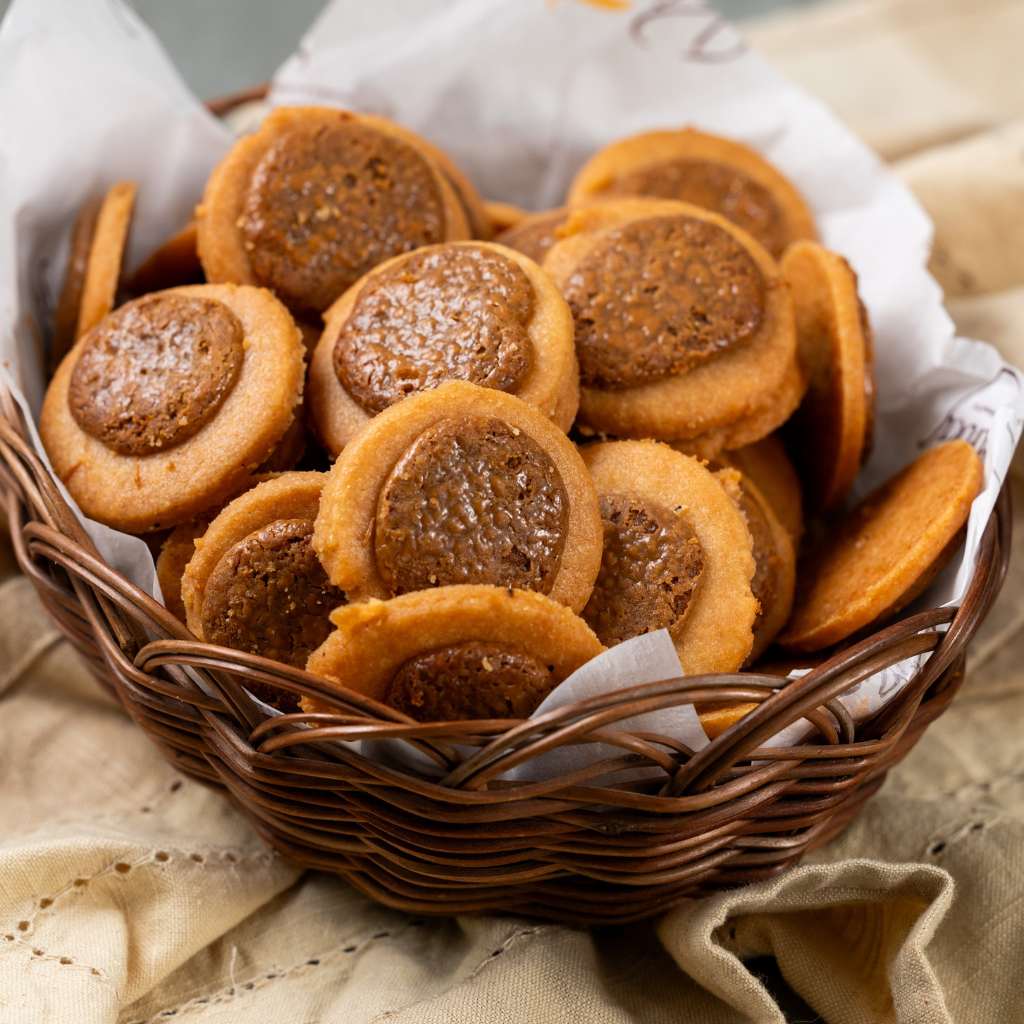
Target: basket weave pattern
(605,844)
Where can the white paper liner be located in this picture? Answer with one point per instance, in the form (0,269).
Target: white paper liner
(520,94)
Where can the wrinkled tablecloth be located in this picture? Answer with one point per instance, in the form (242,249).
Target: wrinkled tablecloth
(131,894)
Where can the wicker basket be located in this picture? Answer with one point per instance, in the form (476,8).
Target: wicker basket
(461,839)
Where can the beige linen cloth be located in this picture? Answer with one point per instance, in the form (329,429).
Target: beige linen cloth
(131,894)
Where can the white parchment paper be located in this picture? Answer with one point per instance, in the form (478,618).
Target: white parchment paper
(520,94)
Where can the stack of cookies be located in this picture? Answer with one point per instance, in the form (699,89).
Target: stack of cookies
(442,451)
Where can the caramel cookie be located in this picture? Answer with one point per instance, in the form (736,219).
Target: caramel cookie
(170,404)
(535,234)
(887,550)
(684,326)
(677,556)
(69,303)
(706,170)
(471,311)
(460,484)
(767,465)
(254,582)
(455,652)
(174,263)
(774,577)
(317,198)
(106,253)
(831,431)
(177,549)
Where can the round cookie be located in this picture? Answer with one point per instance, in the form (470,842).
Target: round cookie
(831,430)
(706,170)
(455,652)
(171,403)
(103,268)
(471,311)
(535,234)
(677,556)
(178,547)
(69,302)
(766,464)
(460,484)
(254,582)
(316,198)
(684,326)
(774,578)
(175,262)
(884,552)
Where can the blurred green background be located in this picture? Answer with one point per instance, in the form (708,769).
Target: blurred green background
(226,45)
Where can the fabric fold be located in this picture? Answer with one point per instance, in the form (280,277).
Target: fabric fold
(850,938)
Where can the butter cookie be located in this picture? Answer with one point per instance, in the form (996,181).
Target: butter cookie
(471,311)
(460,484)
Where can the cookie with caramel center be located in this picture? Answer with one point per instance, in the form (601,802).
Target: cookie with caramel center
(171,403)
(705,170)
(677,555)
(254,582)
(455,652)
(318,197)
(460,484)
(684,326)
(472,311)
(831,431)
(883,553)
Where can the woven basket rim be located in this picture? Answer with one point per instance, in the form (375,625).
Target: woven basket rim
(729,813)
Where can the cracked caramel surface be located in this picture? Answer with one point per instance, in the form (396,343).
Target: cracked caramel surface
(269,595)
(472,679)
(325,204)
(651,567)
(154,372)
(449,313)
(472,500)
(659,296)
